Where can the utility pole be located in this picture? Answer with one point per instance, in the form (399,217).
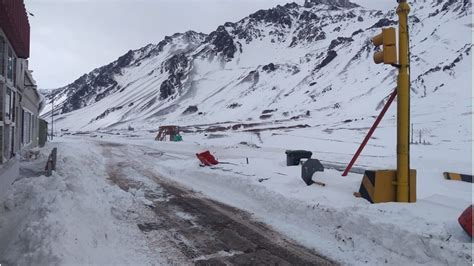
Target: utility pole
(52,119)
(395,185)
(403,105)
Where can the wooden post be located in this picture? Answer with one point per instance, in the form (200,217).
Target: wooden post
(53,158)
(51,163)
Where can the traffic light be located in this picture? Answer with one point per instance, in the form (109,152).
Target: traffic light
(389,53)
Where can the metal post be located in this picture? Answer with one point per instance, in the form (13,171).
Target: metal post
(403,106)
(52,115)
(371,131)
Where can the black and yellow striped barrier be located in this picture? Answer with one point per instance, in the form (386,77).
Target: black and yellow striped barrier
(380,186)
(458,177)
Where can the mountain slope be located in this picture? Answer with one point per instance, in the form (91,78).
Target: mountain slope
(307,65)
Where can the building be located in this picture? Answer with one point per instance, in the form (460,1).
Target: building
(20,101)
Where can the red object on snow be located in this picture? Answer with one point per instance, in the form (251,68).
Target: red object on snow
(465,220)
(207,158)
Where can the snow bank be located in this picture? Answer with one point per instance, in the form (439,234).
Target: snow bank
(72,217)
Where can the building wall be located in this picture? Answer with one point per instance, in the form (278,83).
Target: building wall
(20,105)
(11,80)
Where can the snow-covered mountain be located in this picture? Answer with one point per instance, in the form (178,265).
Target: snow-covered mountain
(291,77)
(294,65)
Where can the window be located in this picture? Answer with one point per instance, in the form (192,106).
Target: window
(8,100)
(6,142)
(13,107)
(30,125)
(23,126)
(2,56)
(25,122)
(2,100)
(12,142)
(14,71)
(1,144)
(10,64)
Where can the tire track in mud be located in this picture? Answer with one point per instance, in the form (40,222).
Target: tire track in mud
(199,230)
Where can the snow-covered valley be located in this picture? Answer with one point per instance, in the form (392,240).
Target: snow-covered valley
(294,77)
(99,208)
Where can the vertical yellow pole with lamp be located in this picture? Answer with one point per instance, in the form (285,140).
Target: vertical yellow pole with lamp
(403,105)
(394,185)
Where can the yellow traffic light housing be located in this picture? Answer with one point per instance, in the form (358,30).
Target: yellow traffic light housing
(389,53)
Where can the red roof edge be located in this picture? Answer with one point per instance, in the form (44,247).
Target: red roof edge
(14,23)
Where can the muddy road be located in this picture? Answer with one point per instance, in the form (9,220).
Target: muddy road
(197,230)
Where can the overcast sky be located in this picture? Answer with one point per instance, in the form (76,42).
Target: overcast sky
(72,37)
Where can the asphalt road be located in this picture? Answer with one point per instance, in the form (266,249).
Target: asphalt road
(200,231)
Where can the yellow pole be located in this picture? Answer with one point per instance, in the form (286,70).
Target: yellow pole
(403,106)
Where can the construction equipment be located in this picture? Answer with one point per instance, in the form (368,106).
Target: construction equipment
(171,131)
(178,138)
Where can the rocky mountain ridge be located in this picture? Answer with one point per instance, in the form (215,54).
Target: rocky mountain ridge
(312,62)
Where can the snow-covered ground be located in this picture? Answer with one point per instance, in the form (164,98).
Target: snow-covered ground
(329,218)
(321,93)
(73,217)
(76,216)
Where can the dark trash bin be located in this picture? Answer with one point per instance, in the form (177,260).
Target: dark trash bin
(294,157)
(310,167)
